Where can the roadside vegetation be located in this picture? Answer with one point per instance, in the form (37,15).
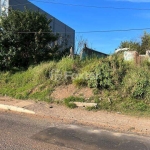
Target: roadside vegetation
(31,68)
(117,85)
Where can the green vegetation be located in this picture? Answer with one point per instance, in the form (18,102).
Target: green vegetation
(142,46)
(26,39)
(25,73)
(117,85)
(32,83)
(69,101)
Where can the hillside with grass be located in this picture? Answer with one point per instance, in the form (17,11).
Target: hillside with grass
(116,85)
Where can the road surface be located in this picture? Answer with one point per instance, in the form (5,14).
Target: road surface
(28,132)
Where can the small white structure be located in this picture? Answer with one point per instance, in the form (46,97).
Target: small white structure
(148,53)
(121,49)
(134,56)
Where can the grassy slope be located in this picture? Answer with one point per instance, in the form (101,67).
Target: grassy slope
(123,87)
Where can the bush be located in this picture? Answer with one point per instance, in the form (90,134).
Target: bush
(141,106)
(137,82)
(66,64)
(81,80)
(23,50)
(108,73)
(71,105)
(44,71)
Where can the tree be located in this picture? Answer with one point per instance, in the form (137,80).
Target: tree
(80,43)
(141,47)
(25,39)
(145,43)
(131,45)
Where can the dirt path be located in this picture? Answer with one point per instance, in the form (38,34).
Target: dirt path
(102,119)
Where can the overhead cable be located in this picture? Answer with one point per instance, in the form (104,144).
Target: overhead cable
(77,5)
(98,31)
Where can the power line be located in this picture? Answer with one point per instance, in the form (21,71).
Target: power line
(102,7)
(98,31)
(116,30)
(75,5)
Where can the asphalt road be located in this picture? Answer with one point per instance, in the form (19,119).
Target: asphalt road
(26,132)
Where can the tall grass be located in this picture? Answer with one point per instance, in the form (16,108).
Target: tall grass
(126,84)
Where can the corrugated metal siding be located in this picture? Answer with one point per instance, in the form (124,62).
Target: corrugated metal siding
(57,25)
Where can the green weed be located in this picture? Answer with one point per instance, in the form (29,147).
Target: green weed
(69,101)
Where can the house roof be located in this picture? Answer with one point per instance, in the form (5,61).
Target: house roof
(89,50)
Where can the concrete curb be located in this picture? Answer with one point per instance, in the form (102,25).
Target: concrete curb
(15,108)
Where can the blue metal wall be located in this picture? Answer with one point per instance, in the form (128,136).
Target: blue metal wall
(57,26)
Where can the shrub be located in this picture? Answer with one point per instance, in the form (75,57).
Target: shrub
(66,64)
(141,106)
(71,105)
(108,73)
(81,80)
(43,71)
(137,82)
(96,91)
(23,50)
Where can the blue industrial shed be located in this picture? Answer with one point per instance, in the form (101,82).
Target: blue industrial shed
(66,32)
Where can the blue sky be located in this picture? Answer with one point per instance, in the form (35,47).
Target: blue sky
(83,19)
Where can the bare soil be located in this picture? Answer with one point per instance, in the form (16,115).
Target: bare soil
(101,119)
(62,92)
